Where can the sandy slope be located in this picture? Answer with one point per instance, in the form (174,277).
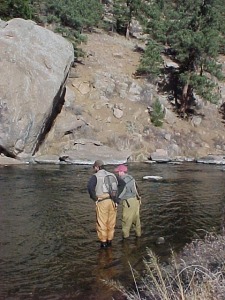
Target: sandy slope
(114,54)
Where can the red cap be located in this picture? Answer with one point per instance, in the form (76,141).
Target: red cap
(121,168)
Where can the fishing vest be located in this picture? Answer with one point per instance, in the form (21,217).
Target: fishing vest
(130,189)
(101,186)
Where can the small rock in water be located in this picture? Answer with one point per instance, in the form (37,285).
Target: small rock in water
(175,163)
(152,178)
(160,240)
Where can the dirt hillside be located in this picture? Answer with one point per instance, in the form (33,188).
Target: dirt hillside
(109,54)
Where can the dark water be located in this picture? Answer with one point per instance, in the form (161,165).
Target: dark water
(48,244)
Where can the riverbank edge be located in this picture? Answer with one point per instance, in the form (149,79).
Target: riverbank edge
(54,159)
(197,272)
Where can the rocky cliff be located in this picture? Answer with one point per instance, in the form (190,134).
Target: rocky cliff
(35,64)
(111,106)
(104,112)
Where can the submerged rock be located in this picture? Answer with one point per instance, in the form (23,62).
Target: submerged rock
(160,240)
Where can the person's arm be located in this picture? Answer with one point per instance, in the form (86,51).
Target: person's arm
(91,187)
(137,191)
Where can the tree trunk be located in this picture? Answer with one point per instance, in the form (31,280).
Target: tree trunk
(128,31)
(185,96)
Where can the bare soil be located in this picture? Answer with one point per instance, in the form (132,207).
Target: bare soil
(115,54)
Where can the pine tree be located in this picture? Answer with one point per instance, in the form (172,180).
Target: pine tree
(77,14)
(4,9)
(124,11)
(190,32)
(70,18)
(157,114)
(15,9)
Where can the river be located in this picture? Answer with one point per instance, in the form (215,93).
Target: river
(48,243)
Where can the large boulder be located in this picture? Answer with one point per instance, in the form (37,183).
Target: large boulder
(34,64)
(86,151)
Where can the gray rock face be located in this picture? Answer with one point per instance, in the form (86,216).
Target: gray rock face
(160,155)
(6,161)
(34,66)
(87,151)
(212,159)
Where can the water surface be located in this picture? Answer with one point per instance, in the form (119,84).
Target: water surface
(48,244)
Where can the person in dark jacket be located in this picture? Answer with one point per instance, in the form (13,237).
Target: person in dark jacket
(106,208)
(131,202)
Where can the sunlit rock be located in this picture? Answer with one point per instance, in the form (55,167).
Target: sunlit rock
(34,64)
(160,155)
(152,178)
(212,159)
(86,151)
(5,161)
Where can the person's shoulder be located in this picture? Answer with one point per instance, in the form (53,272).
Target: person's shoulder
(128,176)
(110,173)
(93,177)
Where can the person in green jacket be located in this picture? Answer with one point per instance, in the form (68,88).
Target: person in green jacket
(131,202)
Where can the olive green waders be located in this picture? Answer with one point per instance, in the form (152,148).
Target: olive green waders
(131,216)
(106,219)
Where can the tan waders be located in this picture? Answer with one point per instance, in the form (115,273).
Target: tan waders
(131,216)
(106,220)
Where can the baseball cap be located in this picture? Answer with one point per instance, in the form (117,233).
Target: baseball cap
(121,168)
(98,163)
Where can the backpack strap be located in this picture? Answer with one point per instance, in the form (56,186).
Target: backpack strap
(111,183)
(128,205)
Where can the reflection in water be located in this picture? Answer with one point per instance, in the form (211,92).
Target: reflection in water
(48,243)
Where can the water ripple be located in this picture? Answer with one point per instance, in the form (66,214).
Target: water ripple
(48,244)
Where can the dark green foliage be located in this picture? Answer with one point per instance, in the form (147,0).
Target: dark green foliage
(124,11)
(151,61)
(72,17)
(4,9)
(77,14)
(157,114)
(121,16)
(15,9)
(74,37)
(192,34)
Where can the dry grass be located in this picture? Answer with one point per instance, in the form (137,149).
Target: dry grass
(198,273)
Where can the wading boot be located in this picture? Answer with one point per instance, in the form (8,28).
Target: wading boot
(103,245)
(109,243)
